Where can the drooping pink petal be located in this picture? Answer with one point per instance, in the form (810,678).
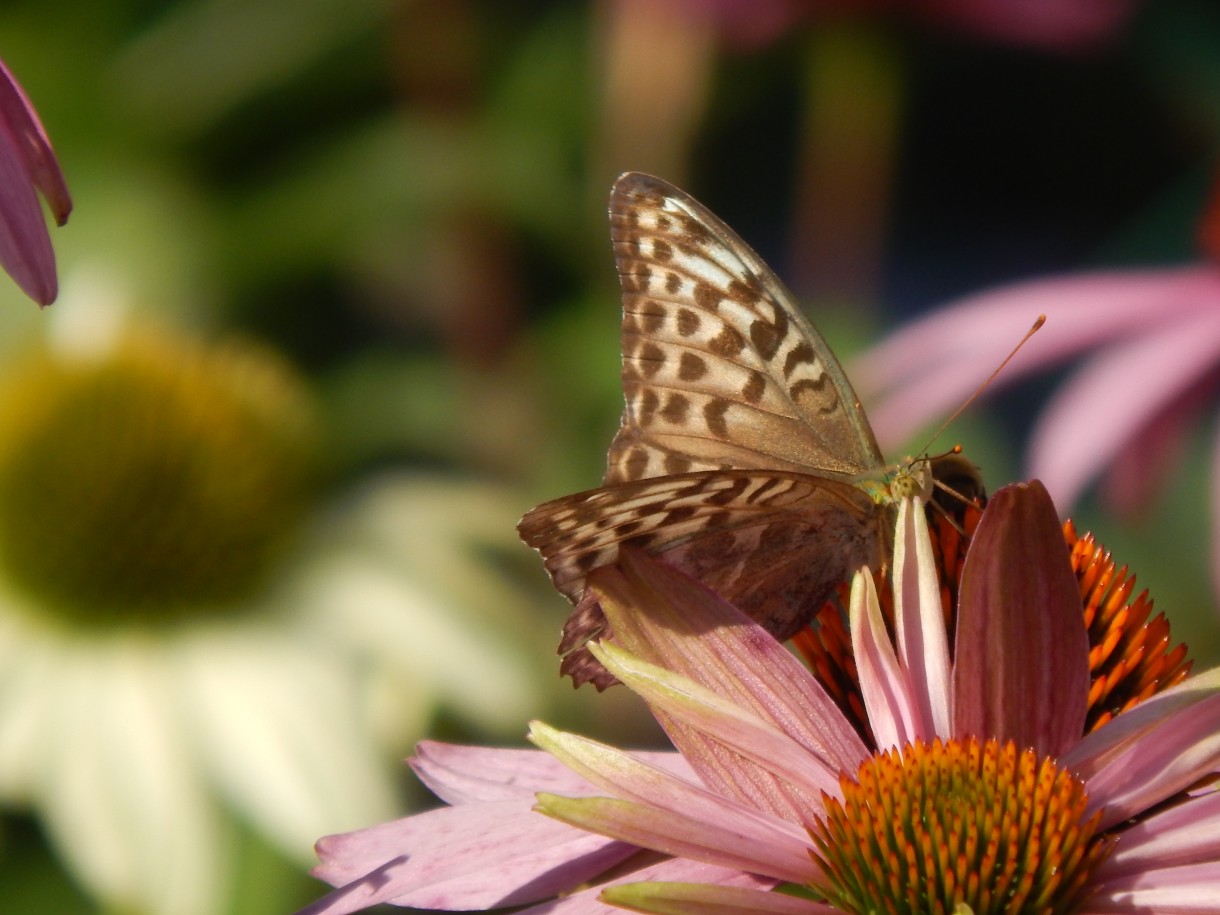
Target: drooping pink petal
(27,162)
(589,902)
(729,843)
(883,683)
(1187,833)
(923,642)
(465,775)
(768,769)
(698,899)
(1097,413)
(1168,757)
(1099,748)
(471,857)
(1021,658)
(667,618)
(1187,890)
(18,113)
(926,369)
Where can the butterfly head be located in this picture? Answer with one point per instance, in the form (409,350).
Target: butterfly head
(913,477)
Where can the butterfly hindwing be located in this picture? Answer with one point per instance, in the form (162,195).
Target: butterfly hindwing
(774,543)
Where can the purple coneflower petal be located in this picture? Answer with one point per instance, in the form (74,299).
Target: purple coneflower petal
(884,687)
(1169,757)
(767,767)
(27,162)
(1184,890)
(667,618)
(470,857)
(1100,410)
(1021,659)
(1186,834)
(923,642)
(928,368)
(466,775)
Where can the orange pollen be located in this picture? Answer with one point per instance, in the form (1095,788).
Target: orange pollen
(933,827)
(1131,656)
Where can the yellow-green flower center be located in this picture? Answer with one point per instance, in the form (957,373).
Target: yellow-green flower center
(157,481)
(935,829)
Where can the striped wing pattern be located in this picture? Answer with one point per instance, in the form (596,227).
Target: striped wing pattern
(739,442)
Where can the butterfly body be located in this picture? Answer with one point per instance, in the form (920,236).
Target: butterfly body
(743,455)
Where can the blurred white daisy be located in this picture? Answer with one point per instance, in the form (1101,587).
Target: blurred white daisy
(188,633)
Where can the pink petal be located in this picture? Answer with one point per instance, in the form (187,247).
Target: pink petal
(925,370)
(1178,890)
(1118,393)
(1021,660)
(669,619)
(1188,833)
(752,759)
(729,842)
(1099,748)
(588,902)
(472,857)
(923,642)
(883,684)
(1168,757)
(26,162)
(700,899)
(19,115)
(466,775)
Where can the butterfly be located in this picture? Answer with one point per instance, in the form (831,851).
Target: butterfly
(743,456)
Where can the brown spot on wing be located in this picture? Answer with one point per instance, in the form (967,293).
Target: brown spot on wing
(676,409)
(688,322)
(713,415)
(727,343)
(754,388)
(801,354)
(707,296)
(691,367)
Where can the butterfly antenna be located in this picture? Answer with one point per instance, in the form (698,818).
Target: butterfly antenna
(1037,325)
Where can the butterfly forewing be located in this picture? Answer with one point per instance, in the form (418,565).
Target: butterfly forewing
(720,369)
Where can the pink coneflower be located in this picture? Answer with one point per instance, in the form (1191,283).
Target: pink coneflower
(983,776)
(27,166)
(1153,337)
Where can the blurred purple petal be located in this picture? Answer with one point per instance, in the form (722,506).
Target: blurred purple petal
(1057,24)
(925,370)
(27,162)
(1097,414)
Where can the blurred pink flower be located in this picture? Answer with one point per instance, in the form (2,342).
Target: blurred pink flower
(1155,339)
(754,796)
(27,165)
(1055,24)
